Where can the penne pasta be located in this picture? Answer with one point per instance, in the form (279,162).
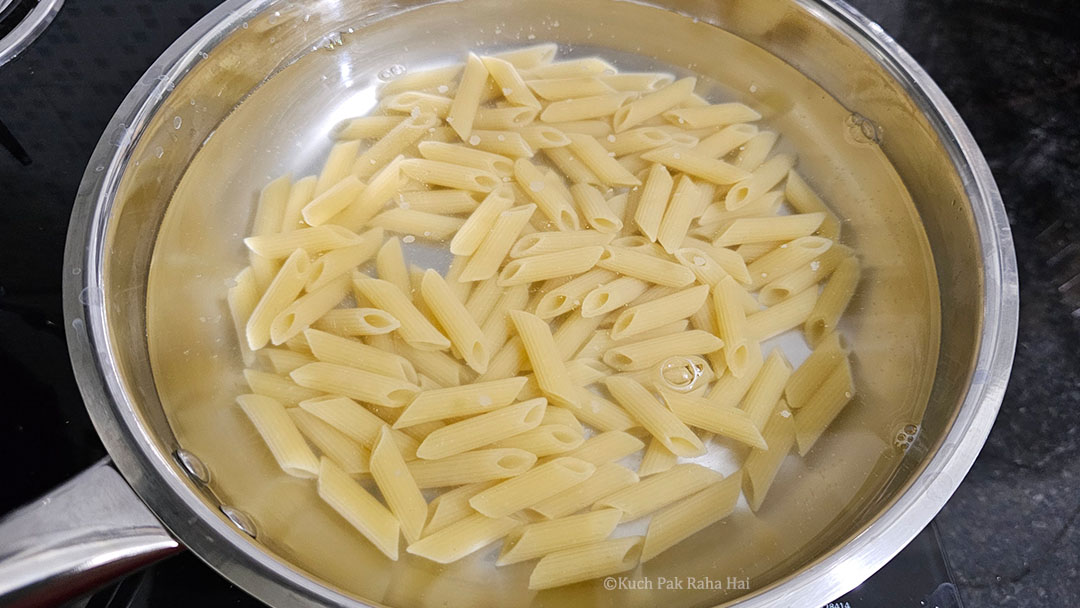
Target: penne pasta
(242,297)
(410,101)
(645,266)
(724,141)
(568,296)
(417,224)
(549,266)
(558,208)
(339,350)
(832,302)
(584,108)
(553,242)
(439,202)
(357,322)
(708,415)
(761,465)
(459,401)
(646,353)
(584,562)
(801,278)
(571,165)
(465,156)
(762,180)
(359,508)
(471,467)
(656,459)
(627,81)
(608,479)
(334,199)
(597,160)
(450,175)
(339,262)
(415,328)
(658,491)
(804,200)
(281,292)
(547,363)
(503,143)
(344,452)
(311,240)
(437,365)
(664,310)
(495,246)
(304,311)
(530,56)
(653,104)
(824,405)
(544,537)
(766,389)
(478,431)
(697,165)
(531,487)
(611,296)
(678,215)
(711,115)
(767,229)
(556,89)
(688,517)
(396,141)
(656,419)
(732,326)
(355,383)
(397,486)
(465,335)
(364,127)
(453,506)
(281,436)
(786,258)
(596,211)
(781,317)
(806,379)
(462,538)
(467,98)
(510,82)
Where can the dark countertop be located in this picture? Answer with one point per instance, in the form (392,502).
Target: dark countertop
(1011,67)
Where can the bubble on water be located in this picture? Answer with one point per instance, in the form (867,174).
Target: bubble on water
(274,17)
(99,168)
(244,25)
(507,91)
(76,271)
(677,155)
(78,325)
(177,122)
(415,112)
(684,373)
(699,261)
(427,233)
(484,400)
(531,36)
(784,246)
(443,88)
(785,414)
(475,140)
(408,238)
(403,205)
(536,186)
(159,152)
(815,265)
(501,138)
(753,88)
(391,72)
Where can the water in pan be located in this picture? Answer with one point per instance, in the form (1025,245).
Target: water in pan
(282,127)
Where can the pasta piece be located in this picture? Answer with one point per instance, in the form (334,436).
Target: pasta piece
(611,296)
(586,66)
(832,302)
(763,179)
(657,491)
(467,157)
(557,89)
(705,268)
(809,376)
(584,108)
(334,445)
(357,322)
(467,99)
(439,202)
(646,353)
(608,479)
(530,56)
(283,360)
(596,128)
(645,266)
(242,298)
(628,81)
(398,487)
(485,263)
(531,487)
(584,562)
(355,383)
(754,153)
(819,269)
(725,140)
(697,165)
(483,299)
(541,538)
(302,192)
(465,334)
(768,229)
(450,175)
(656,459)
(751,252)
(767,205)
(544,356)
(654,201)
(551,202)
(338,262)
(504,143)
(280,434)
(364,127)
(479,224)
(546,439)
(405,134)
(343,351)
(299,315)
(766,389)
(688,517)
(410,101)
(729,389)
(453,506)
(496,327)
(338,163)
(462,538)
(707,415)
(656,419)
(804,200)
(607,447)
(458,401)
(653,104)
(359,508)
(835,392)
(481,430)
(553,242)
(781,317)
(597,160)
(573,332)
(420,81)
(568,296)
(549,266)
(281,292)
(356,422)
(439,366)
(584,372)
(785,258)
(511,84)
(379,191)
(311,240)
(679,214)
(664,310)
(761,465)
(636,140)
(571,165)
(415,328)
(732,326)
(600,413)
(596,210)
(711,115)
(471,467)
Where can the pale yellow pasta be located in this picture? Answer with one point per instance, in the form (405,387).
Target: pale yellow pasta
(339,163)
(419,81)
(781,317)
(596,211)
(691,515)
(299,315)
(356,422)
(409,101)
(571,165)
(544,356)
(696,164)
(711,115)
(397,486)
(281,292)
(396,141)
(465,156)
(606,447)
(283,360)
(569,296)
(459,401)
(824,405)
(552,242)
(732,326)
(453,506)
(599,412)
(340,262)
(506,362)
(657,491)
(596,158)
(766,205)
(531,487)
(355,383)
(786,258)
(806,379)
(332,443)
(586,66)
(437,365)
(462,538)
(832,302)
(497,326)
(708,415)
(242,298)
(704,266)
(379,191)
(465,336)
(819,269)
(301,194)
(467,98)
(629,81)
(657,420)
(495,246)
(573,332)
(646,353)
(680,212)
(656,459)
(751,252)
(556,89)
(584,108)
(481,430)
(729,389)
(653,104)
(541,538)
(611,296)
(658,312)
(584,372)
(725,140)
(450,175)
(584,562)
(530,56)
(551,202)
(549,266)
(280,435)
(608,479)
(359,508)
(415,328)
(645,266)
(654,201)
(504,143)
(439,202)
(364,127)
(636,140)
(763,179)
(804,200)
(765,391)
(483,299)
(761,465)
(344,351)
(546,439)
(480,222)
(312,240)
(471,467)
(510,82)
(767,229)
(596,128)
(390,265)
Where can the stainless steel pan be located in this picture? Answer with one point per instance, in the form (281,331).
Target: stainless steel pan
(251,91)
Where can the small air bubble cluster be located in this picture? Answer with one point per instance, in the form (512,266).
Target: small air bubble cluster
(391,72)
(905,437)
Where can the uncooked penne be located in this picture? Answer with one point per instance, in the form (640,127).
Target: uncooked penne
(584,108)
(281,292)
(761,465)
(242,298)
(552,203)
(656,459)
(418,224)
(396,141)
(552,242)
(440,202)
(549,266)
(804,200)
(344,351)
(711,115)
(355,383)
(597,160)
(781,317)
(453,506)
(495,246)
(696,164)
(281,436)
(646,353)
(611,296)
(357,322)
(765,391)
(569,296)
(332,443)
(768,229)
(467,98)
(462,538)
(467,157)
(678,215)
(338,262)
(806,379)
(547,363)
(305,310)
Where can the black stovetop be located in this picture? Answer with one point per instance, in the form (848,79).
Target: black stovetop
(1012,68)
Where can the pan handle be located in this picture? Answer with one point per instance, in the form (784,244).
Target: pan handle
(76,538)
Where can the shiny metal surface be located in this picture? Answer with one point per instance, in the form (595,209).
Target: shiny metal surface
(28,29)
(77,537)
(205,129)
